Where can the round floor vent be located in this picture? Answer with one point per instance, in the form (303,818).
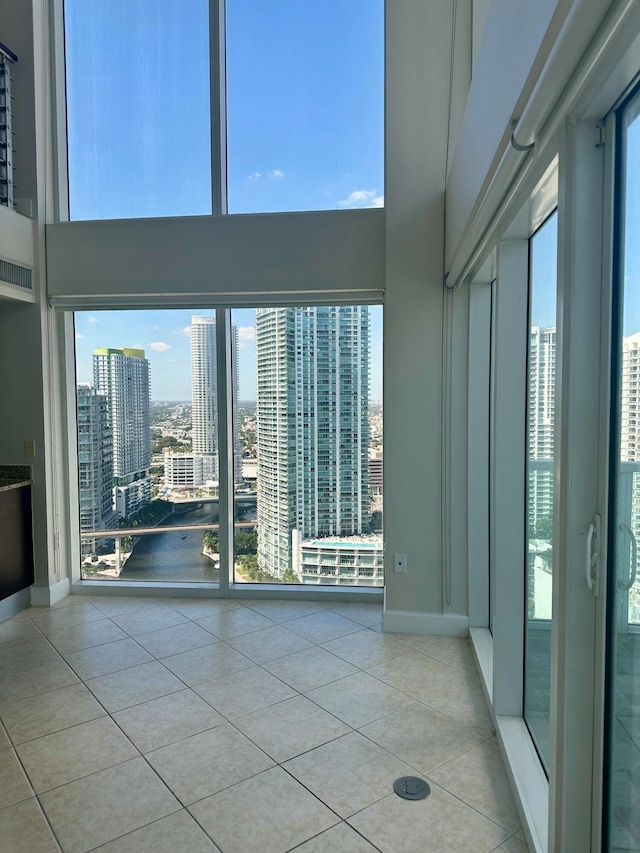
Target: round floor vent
(411,788)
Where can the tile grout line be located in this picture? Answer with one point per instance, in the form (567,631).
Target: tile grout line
(318,834)
(297,692)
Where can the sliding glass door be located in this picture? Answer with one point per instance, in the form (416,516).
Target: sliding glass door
(622,822)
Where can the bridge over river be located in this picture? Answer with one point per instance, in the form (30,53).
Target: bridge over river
(176,555)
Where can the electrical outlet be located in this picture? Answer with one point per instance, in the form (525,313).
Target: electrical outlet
(29,447)
(400,562)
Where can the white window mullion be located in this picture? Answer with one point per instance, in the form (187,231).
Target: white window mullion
(582,411)
(508,540)
(225,447)
(478,453)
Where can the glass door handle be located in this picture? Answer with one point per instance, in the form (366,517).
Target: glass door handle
(629,582)
(592,556)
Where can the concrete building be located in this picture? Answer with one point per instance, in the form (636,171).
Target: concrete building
(183,470)
(122,375)
(95,465)
(375,472)
(312,427)
(339,561)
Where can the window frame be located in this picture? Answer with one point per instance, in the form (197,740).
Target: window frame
(227,587)
(217,109)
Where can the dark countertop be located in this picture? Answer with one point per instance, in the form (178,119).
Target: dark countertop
(6,486)
(14,476)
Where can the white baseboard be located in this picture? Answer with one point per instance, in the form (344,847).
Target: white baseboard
(15,603)
(482,644)
(528,781)
(45,596)
(410,622)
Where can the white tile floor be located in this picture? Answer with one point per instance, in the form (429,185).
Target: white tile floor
(130,724)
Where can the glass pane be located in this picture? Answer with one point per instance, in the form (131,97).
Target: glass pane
(308,495)
(305,89)
(138,110)
(540,446)
(624,599)
(147,445)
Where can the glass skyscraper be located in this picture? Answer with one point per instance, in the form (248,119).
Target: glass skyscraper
(95,464)
(204,383)
(312,428)
(123,376)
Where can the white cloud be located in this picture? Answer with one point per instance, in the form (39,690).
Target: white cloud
(159,346)
(155,328)
(363,198)
(246,333)
(272,175)
(242,345)
(92,320)
(186,331)
(171,361)
(78,336)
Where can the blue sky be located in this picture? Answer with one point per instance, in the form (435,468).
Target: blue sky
(631,322)
(544,274)
(164,336)
(305,87)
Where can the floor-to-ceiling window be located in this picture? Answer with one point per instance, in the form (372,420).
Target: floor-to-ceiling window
(138,108)
(304,94)
(197,107)
(541,407)
(623,685)
(303,475)
(308,445)
(148,461)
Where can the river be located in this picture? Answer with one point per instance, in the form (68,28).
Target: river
(169,556)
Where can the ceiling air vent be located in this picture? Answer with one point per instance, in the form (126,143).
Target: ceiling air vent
(13,274)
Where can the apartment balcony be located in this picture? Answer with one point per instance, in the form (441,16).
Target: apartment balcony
(208,724)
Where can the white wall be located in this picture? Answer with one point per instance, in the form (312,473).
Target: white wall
(418,46)
(526,63)
(513,33)
(266,255)
(28,377)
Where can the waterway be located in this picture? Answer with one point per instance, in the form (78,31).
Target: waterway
(175,556)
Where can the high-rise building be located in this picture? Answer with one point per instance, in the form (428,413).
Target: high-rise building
(95,465)
(312,428)
(629,473)
(204,411)
(629,398)
(123,376)
(542,395)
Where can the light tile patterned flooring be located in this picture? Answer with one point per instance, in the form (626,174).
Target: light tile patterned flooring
(137,724)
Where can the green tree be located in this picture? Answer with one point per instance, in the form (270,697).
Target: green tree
(211,541)
(289,576)
(246,543)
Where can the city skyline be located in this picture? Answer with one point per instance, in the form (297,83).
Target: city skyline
(164,335)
